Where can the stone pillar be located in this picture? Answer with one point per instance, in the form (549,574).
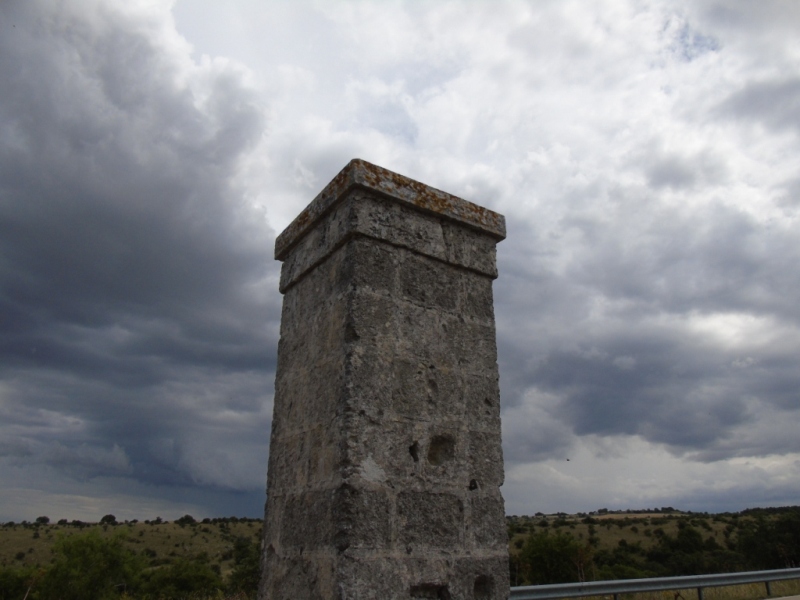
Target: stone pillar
(385,457)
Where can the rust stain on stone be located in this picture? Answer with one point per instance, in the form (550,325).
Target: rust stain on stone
(395,187)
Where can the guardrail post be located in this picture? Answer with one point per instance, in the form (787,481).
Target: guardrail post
(769,589)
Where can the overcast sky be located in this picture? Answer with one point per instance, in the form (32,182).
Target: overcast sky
(644,153)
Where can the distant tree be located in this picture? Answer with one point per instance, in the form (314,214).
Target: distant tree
(108,520)
(186,520)
(42,520)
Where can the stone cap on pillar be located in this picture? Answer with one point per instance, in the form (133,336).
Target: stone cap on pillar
(362,174)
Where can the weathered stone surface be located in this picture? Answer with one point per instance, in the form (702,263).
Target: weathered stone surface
(382,182)
(385,455)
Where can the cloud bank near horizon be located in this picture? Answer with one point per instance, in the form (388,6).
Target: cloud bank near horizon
(642,155)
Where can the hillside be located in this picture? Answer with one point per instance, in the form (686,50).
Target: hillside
(161,542)
(666,542)
(222,554)
(157,560)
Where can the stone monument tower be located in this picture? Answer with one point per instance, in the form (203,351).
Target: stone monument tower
(385,458)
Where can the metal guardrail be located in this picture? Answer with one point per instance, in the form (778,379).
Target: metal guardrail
(629,586)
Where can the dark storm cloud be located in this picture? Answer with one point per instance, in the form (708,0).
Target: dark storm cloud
(132,275)
(712,259)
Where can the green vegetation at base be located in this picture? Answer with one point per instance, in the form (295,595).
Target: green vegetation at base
(606,546)
(155,560)
(219,558)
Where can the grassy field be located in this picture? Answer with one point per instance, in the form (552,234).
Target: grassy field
(30,544)
(610,529)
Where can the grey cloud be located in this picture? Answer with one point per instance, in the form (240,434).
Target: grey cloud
(391,118)
(748,18)
(83,458)
(711,259)
(759,489)
(656,398)
(626,370)
(679,172)
(773,103)
(789,194)
(127,260)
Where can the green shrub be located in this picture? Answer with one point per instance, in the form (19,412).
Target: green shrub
(91,567)
(181,578)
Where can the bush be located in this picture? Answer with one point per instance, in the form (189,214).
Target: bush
(557,558)
(91,567)
(14,583)
(247,567)
(183,577)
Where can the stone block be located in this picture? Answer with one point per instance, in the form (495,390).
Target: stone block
(290,467)
(481,577)
(412,388)
(486,509)
(482,402)
(308,521)
(361,518)
(485,455)
(398,225)
(373,266)
(430,520)
(370,578)
(477,298)
(295,579)
(468,248)
(429,283)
